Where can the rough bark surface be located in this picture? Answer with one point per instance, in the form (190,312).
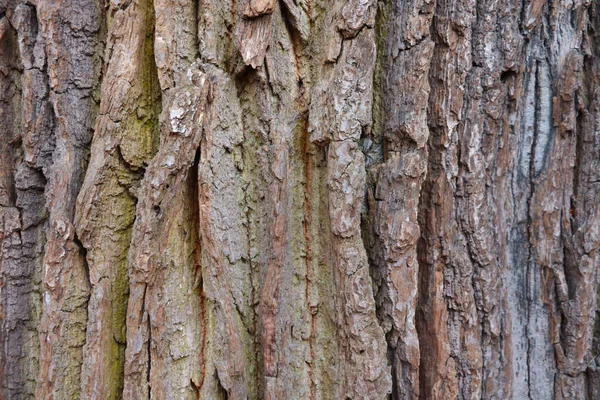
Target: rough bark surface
(299,199)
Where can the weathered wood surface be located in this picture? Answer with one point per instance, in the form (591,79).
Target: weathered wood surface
(299,199)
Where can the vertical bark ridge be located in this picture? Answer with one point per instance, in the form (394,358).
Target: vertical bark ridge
(72,78)
(440,337)
(165,357)
(22,213)
(405,57)
(221,232)
(163,221)
(338,119)
(286,66)
(124,143)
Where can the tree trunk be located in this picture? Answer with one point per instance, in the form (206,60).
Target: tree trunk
(299,199)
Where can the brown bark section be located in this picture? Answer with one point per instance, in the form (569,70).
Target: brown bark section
(123,144)
(21,217)
(225,352)
(299,199)
(46,123)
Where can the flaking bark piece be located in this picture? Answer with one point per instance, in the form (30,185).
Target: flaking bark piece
(256,8)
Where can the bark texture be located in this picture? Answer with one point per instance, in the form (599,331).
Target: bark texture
(299,199)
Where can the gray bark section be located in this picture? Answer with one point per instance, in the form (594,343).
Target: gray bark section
(301,199)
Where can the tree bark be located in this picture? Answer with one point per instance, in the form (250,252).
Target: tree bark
(299,199)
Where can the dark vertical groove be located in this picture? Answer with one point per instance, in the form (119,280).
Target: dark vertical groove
(308,256)
(530,266)
(421,319)
(8,91)
(194,215)
(425,214)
